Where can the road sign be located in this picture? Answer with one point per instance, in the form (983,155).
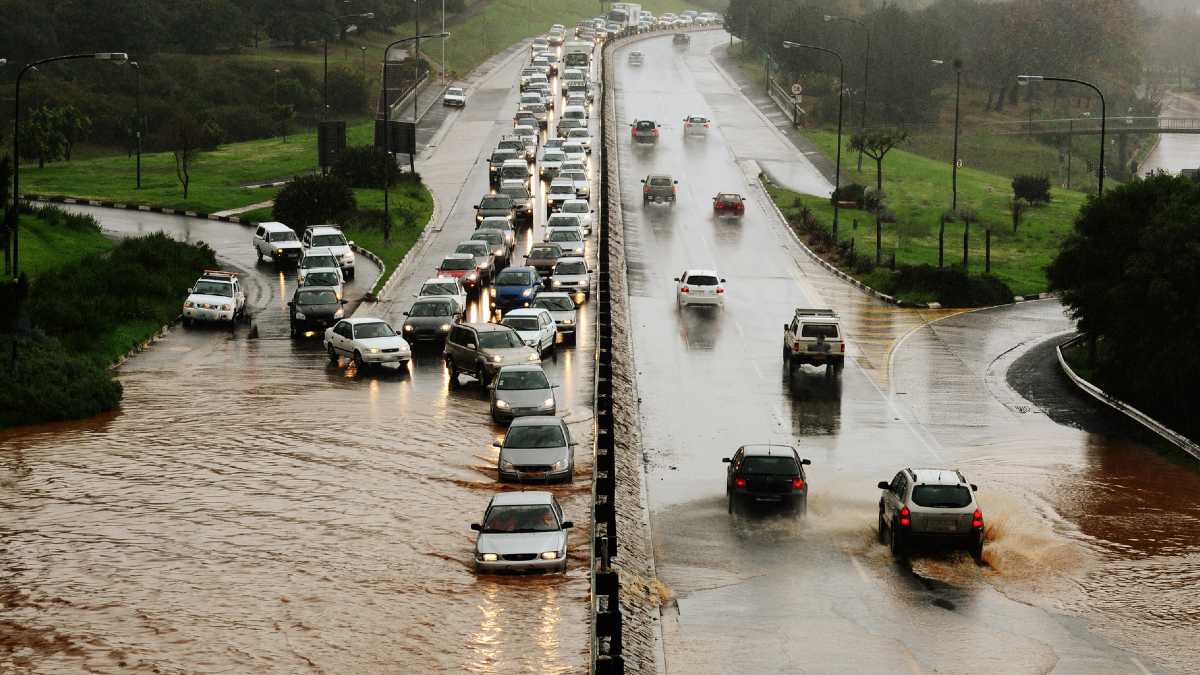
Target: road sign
(797,89)
(960,163)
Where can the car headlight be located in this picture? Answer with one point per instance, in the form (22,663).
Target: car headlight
(497,359)
(478,218)
(472,276)
(509,216)
(407,328)
(492,292)
(534,357)
(300,279)
(339,313)
(226,308)
(485,264)
(500,403)
(569,322)
(489,557)
(188,304)
(507,465)
(278,251)
(526,293)
(300,315)
(548,403)
(348,256)
(445,328)
(373,350)
(550,555)
(555,282)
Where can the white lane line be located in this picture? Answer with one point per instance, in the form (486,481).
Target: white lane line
(738,327)
(859,568)
(1139,665)
(913,666)
(754,365)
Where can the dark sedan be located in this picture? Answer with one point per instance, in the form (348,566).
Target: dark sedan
(314,308)
(429,320)
(766,474)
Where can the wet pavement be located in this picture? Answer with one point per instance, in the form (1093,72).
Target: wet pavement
(1176,152)
(1093,543)
(251,508)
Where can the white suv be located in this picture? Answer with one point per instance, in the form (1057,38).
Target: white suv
(216,296)
(930,506)
(278,242)
(699,287)
(330,237)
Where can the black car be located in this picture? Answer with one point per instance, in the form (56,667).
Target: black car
(522,202)
(430,319)
(495,205)
(681,39)
(314,308)
(770,474)
(497,160)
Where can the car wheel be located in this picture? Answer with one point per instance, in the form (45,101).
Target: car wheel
(897,543)
(333,357)
(292,329)
(882,526)
(976,551)
(187,322)
(358,360)
(453,372)
(259,253)
(350,275)
(482,375)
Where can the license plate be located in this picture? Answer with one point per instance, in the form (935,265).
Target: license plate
(943,526)
(534,474)
(819,347)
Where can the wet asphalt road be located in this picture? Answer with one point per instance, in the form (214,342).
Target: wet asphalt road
(1067,587)
(251,508)
(1175,152)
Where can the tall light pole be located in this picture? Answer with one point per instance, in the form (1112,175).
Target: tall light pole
(1026,79)
(957,98)
(837,178)
(443,42)
(387,127)
(416,71)
(363,50)
(325,50)
(118,58)
(138,112)
(862,120)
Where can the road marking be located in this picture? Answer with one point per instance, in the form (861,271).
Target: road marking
(754,364)
(859,568)
(913,666)
(738,327)
(1139,665)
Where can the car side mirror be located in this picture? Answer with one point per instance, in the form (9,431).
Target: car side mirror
(722,281)
(405,314)
(675,279)
(974,487)
(344,301)
(566,525)
(884,485)
(675,182)
(806,462)
(475,207)
(350,243)
(477,527)
(726,460)
(785,326)
(291,304)
(643,180)
(497,444)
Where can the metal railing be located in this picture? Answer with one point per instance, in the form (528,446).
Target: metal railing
(1091,126)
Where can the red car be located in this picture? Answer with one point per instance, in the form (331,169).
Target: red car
(460,266)
(729,202)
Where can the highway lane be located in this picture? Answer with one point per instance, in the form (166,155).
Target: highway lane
(774,594)
(251,508)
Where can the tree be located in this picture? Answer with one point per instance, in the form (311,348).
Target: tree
(41,136)
(312,200)
(876,145)
(74,126)
(186,136)
(281,116)
(1016,208)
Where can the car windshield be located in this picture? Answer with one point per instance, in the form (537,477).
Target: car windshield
(473,249)
(562,221)
(775,465)
(574,267)
(578,133)
(555,304)
(553,157)
(322,279)
(311,261)
(283,236)
(521,322)
(439,289)
(458,264)
(573,149)
(574,175)
(492,237)
(544,252)
(540,436)
(733,199)
(375,329)
(941,496)
(660,181)
(454,91)
(535,107)
(495,203)
(575,208)
(499,339)
(213,288)
(816,330)
(521,518)
(522,379)
(328,240)
(563,189)
(501,157)
(565,235)
(515,193)
(643,126)
(430,309)
(316,298)
(514,278)
(701,280)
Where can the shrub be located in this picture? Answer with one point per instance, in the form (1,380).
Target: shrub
(1033,189)
(362,166)
(49,382)
(312,200)
(854,192)
(348,91)
(951,286)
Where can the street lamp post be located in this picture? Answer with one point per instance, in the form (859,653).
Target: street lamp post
(862,120)
(119,58)
(957,98)
(138,112)
(325,57)
(1026,79)
(363,50)
(837,177)
(387,129)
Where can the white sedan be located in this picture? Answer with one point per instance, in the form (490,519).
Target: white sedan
(696,125)
(699,287)
(582,137)
(443,287)
(582,210)
(535,326)
(366,341)
(455,97)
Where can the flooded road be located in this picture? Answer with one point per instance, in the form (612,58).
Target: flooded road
(1176,152)
(1067,587)
(251,508)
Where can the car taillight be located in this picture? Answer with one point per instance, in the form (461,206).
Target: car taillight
(633,132)
(646,189)
(720,290)
(798,483)
(905,521)
(683,289)
(674,188)
(740,482)
(843,348)
(796,347)
(977,519)
(705,126)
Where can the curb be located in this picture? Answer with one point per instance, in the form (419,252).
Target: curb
(1175,438)
(106,204)
(144,344)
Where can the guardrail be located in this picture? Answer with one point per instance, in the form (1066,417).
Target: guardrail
(787,103)
(1091,125)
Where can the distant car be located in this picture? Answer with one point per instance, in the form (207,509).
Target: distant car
(521,390)
(539,45)
(772,474)
(729,203)
(535,326)
(455,97)
(571,240)
(583,185)
(497,160)
(636,58)
(515,287)
(580,209)
(681,38)
(499,245)
(430,319)
(536,449)
(314,307)
(329,277)
(482,349)
(482,252)
(935,506)
(696,125)
(502,224)
(331,238)
(645,131)
(659,188)
(560,220)
(278,242)
(518,191)
(575,152)
(560,191)
(522,532)
(216,296)
(316,259)
(445,287)
(542,257)
(582,137)
(565,125)
(699,287)
(524,118)
(367,342)
(494,205)
(571,274)
(551,160)
(461,266)
(540,113)
(563,310)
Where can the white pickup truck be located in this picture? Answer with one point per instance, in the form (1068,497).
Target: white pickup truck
(814,337)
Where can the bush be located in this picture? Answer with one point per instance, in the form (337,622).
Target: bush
(348,92)
(312,200)
(362,166)
(950,286)
(1033,189)
(49,382)
(854,192)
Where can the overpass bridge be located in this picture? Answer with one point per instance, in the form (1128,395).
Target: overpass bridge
(1089,126)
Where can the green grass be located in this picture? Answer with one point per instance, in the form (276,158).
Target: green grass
(417,199)
(114,344)
(918,192)
(45,246)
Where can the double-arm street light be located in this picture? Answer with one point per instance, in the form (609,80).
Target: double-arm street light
(325,76)
(957,98)
(1026,79)
(119,58)
(387,123)
(837,178)
(139,127)
(862,120)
